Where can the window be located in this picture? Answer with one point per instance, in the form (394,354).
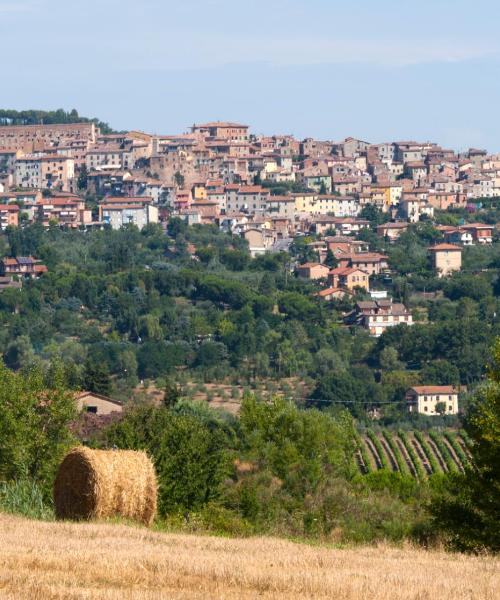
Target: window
(450,408)
(425,408)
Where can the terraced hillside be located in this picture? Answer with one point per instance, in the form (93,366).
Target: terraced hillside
(413,453)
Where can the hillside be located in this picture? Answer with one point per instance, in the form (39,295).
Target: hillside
(74,561)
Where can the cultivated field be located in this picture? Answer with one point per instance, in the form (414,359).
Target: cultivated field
(413,452)
(45,561)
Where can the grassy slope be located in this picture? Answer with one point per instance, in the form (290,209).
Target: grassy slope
(40,560)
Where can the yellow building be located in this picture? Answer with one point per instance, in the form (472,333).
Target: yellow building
(199,192)
(306,202)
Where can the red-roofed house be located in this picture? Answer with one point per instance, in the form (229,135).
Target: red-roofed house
(312,271)
(424,399)
(446,258)
(349,278)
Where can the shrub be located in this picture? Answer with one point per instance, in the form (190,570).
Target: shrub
(24,497)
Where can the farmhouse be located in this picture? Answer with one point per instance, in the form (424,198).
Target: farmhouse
(433,400)
(97,403)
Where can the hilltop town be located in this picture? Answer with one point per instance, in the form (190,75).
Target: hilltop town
(267,190)
(223,174)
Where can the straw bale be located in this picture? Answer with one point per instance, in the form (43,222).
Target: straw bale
(97,484)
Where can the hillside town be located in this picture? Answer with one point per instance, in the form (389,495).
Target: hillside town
(268,190)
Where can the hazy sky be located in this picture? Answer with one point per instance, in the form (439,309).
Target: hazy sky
(379,70)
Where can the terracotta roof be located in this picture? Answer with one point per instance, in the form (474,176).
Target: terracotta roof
(332,290)
(435,389)
(443,247)
(222,124)
(346,271)
(310,265)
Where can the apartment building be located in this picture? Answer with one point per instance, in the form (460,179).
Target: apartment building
(117,212)
(28,172)
(250,199)
(68,211)
(57,172)
(283,206)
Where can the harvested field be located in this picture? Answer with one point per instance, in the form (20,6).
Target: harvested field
(48,561)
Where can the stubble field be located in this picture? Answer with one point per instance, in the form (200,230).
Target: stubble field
(45,561)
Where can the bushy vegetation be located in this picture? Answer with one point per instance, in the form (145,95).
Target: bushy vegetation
(468,512)
(185,309)
(127,306)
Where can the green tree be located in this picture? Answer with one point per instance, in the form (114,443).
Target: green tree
(82,178)
(469,511)
(330,259)
(172,393)
(96,377)
(179,179)
(34,420)
(191,451)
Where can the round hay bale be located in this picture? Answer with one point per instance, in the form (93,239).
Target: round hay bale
(96,484)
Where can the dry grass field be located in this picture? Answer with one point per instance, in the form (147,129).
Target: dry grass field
(44,561)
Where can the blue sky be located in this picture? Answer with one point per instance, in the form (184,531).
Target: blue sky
(427,70)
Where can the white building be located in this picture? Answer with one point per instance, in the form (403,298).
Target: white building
(427,399)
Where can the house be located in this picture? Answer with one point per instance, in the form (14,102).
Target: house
(372,263)
(333,293)
(349,278)
(22,266)
(259,240)
(312,271)
(97,403)
(378,315)
(481,233)
(391,231)
(340,245)
(446,258)
(457,235)
(9,215)
(433,400)
(341,225)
